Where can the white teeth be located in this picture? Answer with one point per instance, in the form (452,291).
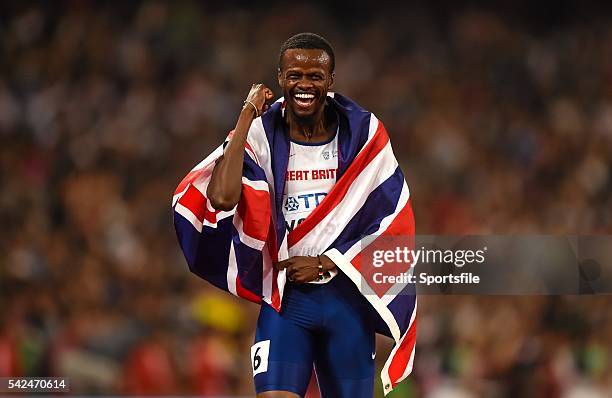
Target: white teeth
(304,96)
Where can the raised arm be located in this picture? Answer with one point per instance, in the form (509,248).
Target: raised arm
(225,185)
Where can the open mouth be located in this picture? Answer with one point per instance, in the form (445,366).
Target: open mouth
(303,100)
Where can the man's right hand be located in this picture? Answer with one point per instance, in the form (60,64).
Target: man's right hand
(225,185)
(260,96)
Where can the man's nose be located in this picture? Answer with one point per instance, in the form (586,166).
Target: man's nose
(304,82)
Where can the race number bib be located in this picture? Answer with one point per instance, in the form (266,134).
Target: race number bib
(259,356)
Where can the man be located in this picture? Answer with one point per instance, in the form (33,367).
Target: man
(305,180)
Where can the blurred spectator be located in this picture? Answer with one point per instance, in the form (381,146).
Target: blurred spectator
(149,369)
(9,356)
(210,363)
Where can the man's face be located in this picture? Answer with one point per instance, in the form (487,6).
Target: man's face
(305,78)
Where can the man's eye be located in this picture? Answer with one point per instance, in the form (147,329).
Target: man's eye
(317,77)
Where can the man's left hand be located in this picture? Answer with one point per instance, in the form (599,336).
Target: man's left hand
(303,269)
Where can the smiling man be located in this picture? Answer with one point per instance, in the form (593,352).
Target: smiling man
(277,216)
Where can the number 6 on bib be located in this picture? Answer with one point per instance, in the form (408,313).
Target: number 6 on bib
(259,356)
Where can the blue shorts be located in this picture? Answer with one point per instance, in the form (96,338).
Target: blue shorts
(327,325)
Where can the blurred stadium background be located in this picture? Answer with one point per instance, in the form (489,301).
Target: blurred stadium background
(501,115)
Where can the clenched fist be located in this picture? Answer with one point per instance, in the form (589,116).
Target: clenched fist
(261,97)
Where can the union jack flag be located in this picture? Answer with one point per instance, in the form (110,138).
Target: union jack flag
(235,250)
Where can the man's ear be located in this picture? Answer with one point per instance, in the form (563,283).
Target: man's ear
(280,78)
(331,80)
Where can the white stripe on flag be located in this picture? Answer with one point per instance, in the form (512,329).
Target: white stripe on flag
(255,184)
(372,128)
(267,275)
(283,254)
(345,266)
(258,140)
(232,270)
(189,216)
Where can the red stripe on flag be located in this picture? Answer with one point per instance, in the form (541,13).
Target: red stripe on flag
(254,209)
(210,216)
(356,261)
(195,202)
(403,223)
(271,241)
(339,190)
(189,178)
(400,360)
(276,301)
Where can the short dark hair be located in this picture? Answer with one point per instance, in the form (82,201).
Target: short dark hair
(307,40)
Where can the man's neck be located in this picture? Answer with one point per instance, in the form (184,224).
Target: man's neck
(319,129)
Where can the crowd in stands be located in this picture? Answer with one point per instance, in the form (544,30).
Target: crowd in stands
(500,129)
